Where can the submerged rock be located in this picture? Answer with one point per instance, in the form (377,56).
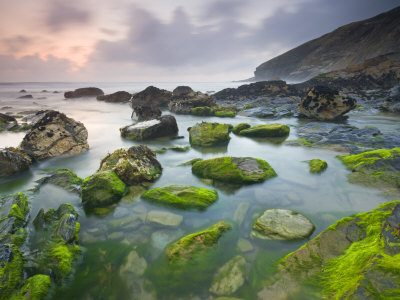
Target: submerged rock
(151,96)
(53,135)
(134,265)
(239,170)
(102,189)
(13,161)
(193,244)
(322,103)
(164,218)
(84,92)
(267,130)
(117,97)
(209,134)
(282,224)
(317,165)
(230,277)
(135,165)
(64,178)
(182,196)
(160,127)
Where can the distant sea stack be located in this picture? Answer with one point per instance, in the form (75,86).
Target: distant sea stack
(348,45)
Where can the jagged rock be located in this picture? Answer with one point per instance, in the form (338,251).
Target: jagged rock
(134,265)
(84,92)
(53,135)
(13,161)
(160,127)
(117,97)
(145,113)
(151,96)
(181,91)
(206,134)
(136,165)
(323,103)
(184,103)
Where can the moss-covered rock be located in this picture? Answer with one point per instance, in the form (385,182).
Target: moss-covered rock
(218,111)
(267,130)
(11,270)
(135,165)
(174,148)
(355,258)
(102,189)
(64,178)
(238,128)
(194,244)
(317,165)
(182,196)
(209,134)
(238,170)
(35,288)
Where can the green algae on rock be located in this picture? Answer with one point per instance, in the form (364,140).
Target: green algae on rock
(218,111)
(193,244)
(267,130)
(238,170)
(190,162)
(64,178)
(11,270)
(206,134)
(242,126)
(355,258)
(35,288)
(317,165)
(102,189)
(182,196)
(135,165)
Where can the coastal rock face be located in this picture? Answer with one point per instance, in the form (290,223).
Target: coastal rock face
(282,224)
(206,134)
(324,104)
(13,161)
(53,135)
(160,127)
(238,170)
(145,113)
(135,165)
(354,259)
(117,97)
(84,92)
(151,96)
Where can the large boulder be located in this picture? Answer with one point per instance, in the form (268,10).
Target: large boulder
(160,127)
(151,96)
(145,113)
(182,196)
(53,135)
(13,161)
(325,104)
(282,224)
(84,92)
(184,103)
(206,134)
(135,165)
(238,170)
(117,97)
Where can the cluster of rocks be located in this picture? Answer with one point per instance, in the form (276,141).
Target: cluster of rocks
(10,123)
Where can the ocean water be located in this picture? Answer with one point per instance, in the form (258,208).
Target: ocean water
(108,241)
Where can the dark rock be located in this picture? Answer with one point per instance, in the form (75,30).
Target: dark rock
(145,113)
(53,135)
(184,103)
(84,92)
(22,91)
(182,91)
(117,97)
(151,96)
(6,118)
(160,127)
(13,161)
(26,97)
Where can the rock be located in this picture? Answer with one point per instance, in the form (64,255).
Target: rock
(323,103)
(230,277)
(173,148)
(26,97)
(267,130)
(182,90)
(151,96)
(190,162)
(134,264)
(317,165)
(53,135)
(181,196)
(11,270)
(6,118)
(84,92)
(161,238)
(160,127)
(35,288)
(102,189)
(136,165)
(244,246)
(209,134)
(13,161)
(22,91)
(164,218)
(64,178)
(218,111)
(283,224)
(14,211)
(353,258)
(240,212)
(239,170)
(195,244)
(145,113)
(184,103)
(238,128)
(117,97)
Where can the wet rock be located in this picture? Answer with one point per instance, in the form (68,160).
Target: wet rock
(230,277)
(13,161)
(184,103)
(6,118)
(84,92)
(64,178)
(317,165)
(145,113)
(161,238)
(160,127)
(282,224)
(117,97)
(217,111)
(240,212)
(135,165)
(244,245)
(11,270)
(238,170)
(26,97)
(134,264)
(35,288)
(209,134)
(164,218)
(14,212)
(181,196)
(53,135)
(322,103)
(181,91)
(267,130)
(151,96)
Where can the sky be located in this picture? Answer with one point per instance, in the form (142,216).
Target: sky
(161,40)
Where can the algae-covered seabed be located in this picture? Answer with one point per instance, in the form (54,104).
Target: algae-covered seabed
(108,241)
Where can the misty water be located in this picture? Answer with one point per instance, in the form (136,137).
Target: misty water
(107,240)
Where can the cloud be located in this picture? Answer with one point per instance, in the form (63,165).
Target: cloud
(62,14)
(16,43)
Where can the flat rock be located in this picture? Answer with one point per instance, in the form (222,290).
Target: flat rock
(164,218)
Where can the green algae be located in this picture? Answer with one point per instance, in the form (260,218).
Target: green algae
(317,165)
(64,178)
(218,111)
(238,128)
(209,134)
(35,288)
(180,196)
(11,270)
(267,130)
